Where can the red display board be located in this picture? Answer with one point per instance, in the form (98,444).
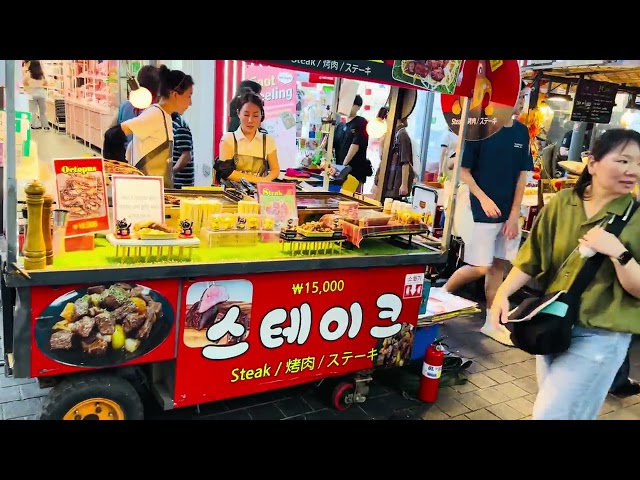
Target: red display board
(246,334)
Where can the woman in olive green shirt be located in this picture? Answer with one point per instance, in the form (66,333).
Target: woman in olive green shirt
(574,384)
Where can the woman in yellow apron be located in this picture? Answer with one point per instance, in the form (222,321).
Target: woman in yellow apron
(151,150)
(248,153)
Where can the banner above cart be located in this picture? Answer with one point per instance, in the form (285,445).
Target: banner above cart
(443,76)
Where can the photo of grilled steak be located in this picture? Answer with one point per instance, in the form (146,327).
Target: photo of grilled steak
(87,324)
(61,340)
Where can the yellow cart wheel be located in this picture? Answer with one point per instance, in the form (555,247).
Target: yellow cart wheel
(93,397)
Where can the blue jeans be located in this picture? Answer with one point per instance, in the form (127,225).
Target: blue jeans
(573,385)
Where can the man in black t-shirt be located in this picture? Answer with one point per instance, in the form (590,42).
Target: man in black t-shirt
(351,142)
(566,141)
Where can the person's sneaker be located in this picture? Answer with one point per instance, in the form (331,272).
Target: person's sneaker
(629,388)
(500,334)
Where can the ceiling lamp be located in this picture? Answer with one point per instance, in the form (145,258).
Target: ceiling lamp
(139,96)
(377,127)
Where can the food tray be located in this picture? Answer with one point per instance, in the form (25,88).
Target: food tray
(369,218)
(308,234)
(329,201)
(231,238)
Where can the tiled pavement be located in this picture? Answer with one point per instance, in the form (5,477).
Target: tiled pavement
(501,386)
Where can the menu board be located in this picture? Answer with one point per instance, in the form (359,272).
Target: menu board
(81,190)
(137,198)
(594,101)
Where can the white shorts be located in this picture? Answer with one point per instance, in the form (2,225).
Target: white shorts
(488,242)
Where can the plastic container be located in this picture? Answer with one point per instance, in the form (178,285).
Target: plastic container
(348,208)
(369,218)
(229,238)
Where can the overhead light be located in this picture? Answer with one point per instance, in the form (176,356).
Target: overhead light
(139,96)
(559,97)
(377,127)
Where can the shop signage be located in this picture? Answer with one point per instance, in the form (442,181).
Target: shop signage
(278,200)
(137,198)
(388,72)
(495,86)
(279,90)
(248,334)
(81,190)
(594,101)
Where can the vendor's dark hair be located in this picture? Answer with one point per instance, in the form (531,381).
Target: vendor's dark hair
(608,142)
(149,78)
(173,81)
(249,96)
(244,87)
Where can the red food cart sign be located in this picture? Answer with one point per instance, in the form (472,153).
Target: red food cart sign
(243,335)
(81,190)
(74,326)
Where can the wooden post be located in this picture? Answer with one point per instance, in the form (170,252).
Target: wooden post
(34,247)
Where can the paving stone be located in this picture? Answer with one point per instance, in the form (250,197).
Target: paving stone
(293,406)
(465,387)
(460,417)
(473,401)
(519,370)
(21,408)
(528,384)
(451,407)
(475,367)
(434,413)
(512,356)
(9,394)
(480,380)
(632,400)
(10,381)
(240,414)
(33,390)
(482,414)
(505,412)
(29,417)
(492,395)
(489,361)
(611,404)
(498,375)
(522,405)
(267,411)
(450,392)
(628,413)
(511,390)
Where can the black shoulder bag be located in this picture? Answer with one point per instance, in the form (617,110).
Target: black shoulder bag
(542,325)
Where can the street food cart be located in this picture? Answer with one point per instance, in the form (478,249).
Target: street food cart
(198,310)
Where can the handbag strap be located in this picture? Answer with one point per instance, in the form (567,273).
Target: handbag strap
(593,264)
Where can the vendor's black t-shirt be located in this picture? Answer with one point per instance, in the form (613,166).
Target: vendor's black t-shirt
(346,134)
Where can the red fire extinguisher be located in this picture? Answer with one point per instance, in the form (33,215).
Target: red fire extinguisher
(431,371)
